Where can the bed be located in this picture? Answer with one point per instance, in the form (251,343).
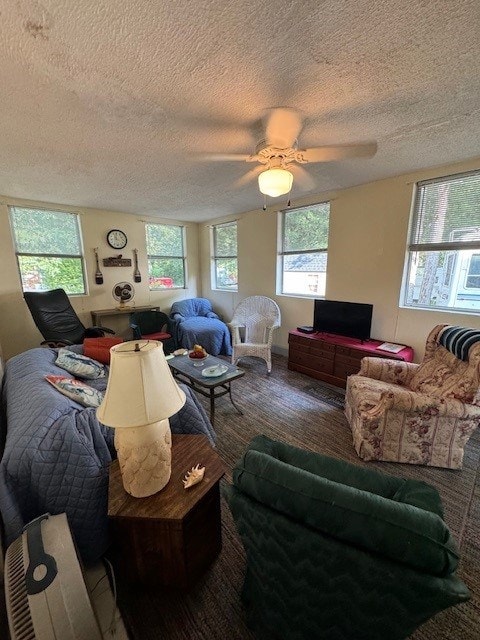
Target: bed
(56,454)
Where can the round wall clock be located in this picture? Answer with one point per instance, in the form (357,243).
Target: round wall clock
(116,239)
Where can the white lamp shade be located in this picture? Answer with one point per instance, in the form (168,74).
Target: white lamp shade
(141,389)
(275,182)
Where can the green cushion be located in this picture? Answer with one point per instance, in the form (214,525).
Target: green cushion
(355,505)
(414,492)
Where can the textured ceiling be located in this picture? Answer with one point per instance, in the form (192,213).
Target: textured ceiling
(111,104)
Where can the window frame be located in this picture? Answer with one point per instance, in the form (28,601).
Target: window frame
(80,256)
(282,252)
(215,257)
(426,247)
(183,257)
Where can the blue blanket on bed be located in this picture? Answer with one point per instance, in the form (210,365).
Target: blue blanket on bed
(57,454)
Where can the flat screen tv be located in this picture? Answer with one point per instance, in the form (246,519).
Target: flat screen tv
(351,319)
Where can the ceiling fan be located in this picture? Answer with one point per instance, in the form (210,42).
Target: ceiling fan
(280,158)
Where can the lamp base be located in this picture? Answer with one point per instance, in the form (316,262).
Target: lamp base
(145,457)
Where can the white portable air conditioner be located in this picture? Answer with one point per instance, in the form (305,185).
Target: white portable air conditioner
(45,590)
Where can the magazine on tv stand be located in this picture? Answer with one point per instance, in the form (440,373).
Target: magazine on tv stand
(391,347)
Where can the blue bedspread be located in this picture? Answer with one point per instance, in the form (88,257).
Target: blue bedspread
(194,322)
(57,454)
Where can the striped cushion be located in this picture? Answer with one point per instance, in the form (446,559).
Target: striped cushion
(458,340)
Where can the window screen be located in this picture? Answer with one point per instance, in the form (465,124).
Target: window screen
(225,263)
(303,254)
(166,256)
(49,249)
(443,268)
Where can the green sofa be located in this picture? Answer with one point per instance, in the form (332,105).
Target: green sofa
(337,551)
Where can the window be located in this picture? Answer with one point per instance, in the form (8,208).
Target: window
(303,255)
(166,256)
(48,246)
(473,274)
(225,266)
(443,261)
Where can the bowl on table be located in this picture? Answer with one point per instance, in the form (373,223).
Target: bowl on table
(198,360)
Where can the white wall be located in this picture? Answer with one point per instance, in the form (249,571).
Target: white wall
(368,234)
(367,244)
(17,330)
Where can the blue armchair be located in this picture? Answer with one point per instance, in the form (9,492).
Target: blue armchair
(195,322)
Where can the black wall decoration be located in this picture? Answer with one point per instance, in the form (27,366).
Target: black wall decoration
(137,276)
(98,273)
(117,261)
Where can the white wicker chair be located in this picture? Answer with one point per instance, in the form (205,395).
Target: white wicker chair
(258,316)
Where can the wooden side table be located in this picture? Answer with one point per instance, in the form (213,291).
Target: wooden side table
(170,538)
(98,314)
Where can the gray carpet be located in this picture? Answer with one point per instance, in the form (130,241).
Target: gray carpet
(327,394)
(278,406)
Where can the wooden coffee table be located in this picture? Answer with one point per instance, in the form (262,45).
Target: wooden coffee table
(170,538)
(185,370)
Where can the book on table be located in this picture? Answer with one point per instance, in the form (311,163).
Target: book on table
(391,347)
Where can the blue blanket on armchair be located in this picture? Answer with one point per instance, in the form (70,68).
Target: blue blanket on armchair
(57,454)
(194,322)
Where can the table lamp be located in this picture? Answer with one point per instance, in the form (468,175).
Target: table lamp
(141,395)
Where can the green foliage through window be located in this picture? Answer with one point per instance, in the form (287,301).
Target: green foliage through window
(304,250)
(225,256)
(49,249)
(166,258)
(306,228)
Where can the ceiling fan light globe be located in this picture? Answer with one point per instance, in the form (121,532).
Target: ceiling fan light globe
(275,182)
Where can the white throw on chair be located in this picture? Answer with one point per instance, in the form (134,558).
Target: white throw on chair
(259,316)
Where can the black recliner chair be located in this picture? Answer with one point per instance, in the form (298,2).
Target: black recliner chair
(153,325)
(56,319)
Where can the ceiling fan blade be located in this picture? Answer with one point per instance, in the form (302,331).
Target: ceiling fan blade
(282,127)
(302,177)
(249,176)
(226,157)
(338,152)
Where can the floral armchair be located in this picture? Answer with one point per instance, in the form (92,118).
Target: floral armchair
(418,414)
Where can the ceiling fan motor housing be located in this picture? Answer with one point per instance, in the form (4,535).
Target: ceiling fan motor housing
(273,156)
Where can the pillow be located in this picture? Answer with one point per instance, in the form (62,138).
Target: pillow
(99,348)
(79,365)
(445,376)
(76,390)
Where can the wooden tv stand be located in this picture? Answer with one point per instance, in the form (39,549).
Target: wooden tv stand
(333,358)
